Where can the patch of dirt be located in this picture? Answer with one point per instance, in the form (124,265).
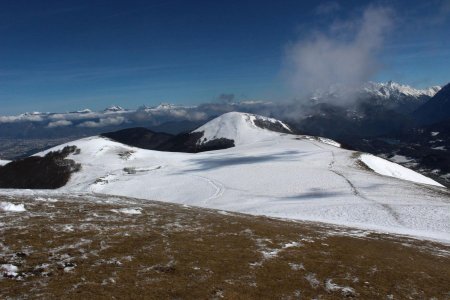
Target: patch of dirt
(84,246)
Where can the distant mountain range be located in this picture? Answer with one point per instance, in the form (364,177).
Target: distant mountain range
(419,139)
(87,122)
(392,95)
(377,108)
(388,119)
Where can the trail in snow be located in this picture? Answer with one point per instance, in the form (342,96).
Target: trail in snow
(219,188)
(355,190)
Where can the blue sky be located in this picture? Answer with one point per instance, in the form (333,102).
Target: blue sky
(65,55)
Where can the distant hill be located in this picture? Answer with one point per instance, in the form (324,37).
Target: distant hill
(436,109)
(139,137)
(225,131)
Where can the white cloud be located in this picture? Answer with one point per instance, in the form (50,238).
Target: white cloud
(340,56)
(74,116)
(59,123)
(21,118)
(110,121)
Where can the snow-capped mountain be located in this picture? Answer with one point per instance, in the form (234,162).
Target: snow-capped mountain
(34,113)
(86,122)
(389,90)
(241,128)
(394,91)
(114,109)
(82,111)
(162,107)
(275,174)
(228,130)
(401,98)
(391,95)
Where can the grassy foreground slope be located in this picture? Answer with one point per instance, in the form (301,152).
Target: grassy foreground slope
(84,247)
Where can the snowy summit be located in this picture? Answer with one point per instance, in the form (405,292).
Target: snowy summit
(114,108)
(242,128)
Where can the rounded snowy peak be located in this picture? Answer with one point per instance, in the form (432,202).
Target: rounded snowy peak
(114,108)
(242,128)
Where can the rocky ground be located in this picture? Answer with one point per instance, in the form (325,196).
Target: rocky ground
(92,246)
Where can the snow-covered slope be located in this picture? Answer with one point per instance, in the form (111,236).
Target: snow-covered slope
(3,162)
(387,168)
(280,175)
(242,128)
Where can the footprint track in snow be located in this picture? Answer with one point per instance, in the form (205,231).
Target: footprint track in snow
(355,190)
(219,188)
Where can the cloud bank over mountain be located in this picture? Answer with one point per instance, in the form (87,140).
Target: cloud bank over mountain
(344,55)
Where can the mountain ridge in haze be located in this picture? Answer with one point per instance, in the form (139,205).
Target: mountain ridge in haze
(437,109)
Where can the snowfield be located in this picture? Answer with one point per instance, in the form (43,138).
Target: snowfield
(269,173)
(387,168)
(4,162)
(6,206)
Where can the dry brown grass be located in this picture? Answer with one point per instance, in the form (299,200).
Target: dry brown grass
(175,252)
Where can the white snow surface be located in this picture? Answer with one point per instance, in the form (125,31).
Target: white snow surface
(268,173)
(387,168)
(4,162)
(9,269)
(128,211)
(329,142)
(6,206)
(239,127)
